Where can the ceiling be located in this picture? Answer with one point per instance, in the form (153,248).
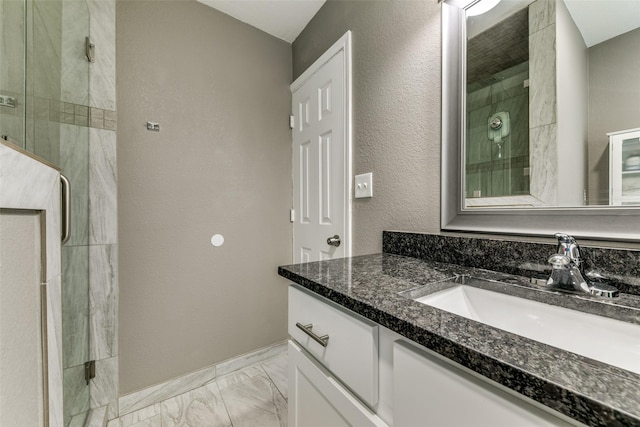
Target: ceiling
(597,20)
(602,20)
(284,19)
(486,58)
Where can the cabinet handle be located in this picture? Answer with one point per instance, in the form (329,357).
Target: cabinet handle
(323,340)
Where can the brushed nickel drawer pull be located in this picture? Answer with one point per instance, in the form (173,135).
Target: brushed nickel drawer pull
(323,340)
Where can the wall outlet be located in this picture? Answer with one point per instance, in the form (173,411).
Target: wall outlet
(364,185)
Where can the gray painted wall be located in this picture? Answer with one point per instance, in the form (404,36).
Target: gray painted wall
(396,109)
(221,163)
(614,90)
(572,92)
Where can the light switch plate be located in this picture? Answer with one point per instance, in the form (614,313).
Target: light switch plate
(364,185)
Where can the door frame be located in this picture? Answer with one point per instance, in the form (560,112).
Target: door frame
(342,46)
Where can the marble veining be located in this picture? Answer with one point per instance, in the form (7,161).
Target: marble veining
(54,349)
(151,395)
(102,73)
(75,326)
(76,393)
(243,361)
(74,64)
(79,420)
(45,49)
(238,377)
(255,402)
(97,417)
(589,391)
(74,156)
(154,394)
(103,389)
(137,417)
(103,301)
(103,206)
(276,369)
(542,13)
(248,397)
(544,165)
(200,407)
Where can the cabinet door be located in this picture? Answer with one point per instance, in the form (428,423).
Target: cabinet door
(429,391)
(316,399)
(624,169)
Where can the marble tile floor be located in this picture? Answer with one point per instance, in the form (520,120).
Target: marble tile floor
(255,396)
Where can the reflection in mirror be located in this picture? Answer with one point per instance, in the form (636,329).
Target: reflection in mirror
(551,104)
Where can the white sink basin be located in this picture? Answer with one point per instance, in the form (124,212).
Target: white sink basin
(607,340)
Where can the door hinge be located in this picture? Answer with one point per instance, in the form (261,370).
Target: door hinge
(292,215)
(292,121)
(89,370)
(89,49)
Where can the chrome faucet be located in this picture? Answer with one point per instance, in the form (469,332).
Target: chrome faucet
(568,273)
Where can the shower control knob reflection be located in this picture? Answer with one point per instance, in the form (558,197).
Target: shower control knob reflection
(334,241)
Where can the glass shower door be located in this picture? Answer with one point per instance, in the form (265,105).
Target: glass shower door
(44,72)
(12,71)
(58,130)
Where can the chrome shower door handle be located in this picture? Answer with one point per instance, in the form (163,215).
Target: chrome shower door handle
(334,241)
(65,201)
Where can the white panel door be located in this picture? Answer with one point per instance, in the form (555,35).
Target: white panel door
(321,157)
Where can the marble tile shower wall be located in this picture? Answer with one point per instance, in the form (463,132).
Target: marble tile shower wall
(542,102)
(70,111)
(91,254)
(512,257)
(56,111)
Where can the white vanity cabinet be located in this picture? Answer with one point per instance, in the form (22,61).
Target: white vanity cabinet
(431,390)
(368,375)
(624,167)
(333,378)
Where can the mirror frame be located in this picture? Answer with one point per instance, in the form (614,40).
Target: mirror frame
(596,222)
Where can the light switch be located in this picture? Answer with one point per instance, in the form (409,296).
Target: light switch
(364,185)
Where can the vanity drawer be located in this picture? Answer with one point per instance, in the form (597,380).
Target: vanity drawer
(351,351)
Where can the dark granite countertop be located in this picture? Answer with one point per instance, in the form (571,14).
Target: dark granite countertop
(584,389)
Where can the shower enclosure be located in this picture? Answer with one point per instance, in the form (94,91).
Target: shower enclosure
(497,150)
(497,108)
(44,98)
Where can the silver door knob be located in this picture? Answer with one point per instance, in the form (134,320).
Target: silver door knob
(334,241)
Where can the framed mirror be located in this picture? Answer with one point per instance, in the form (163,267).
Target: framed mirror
(541,117)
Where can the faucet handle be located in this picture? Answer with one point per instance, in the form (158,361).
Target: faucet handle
(567,245)
(559,261)
(564,238)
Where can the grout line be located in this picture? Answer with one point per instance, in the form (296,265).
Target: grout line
(216,377)
(224,403)
(274,383)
